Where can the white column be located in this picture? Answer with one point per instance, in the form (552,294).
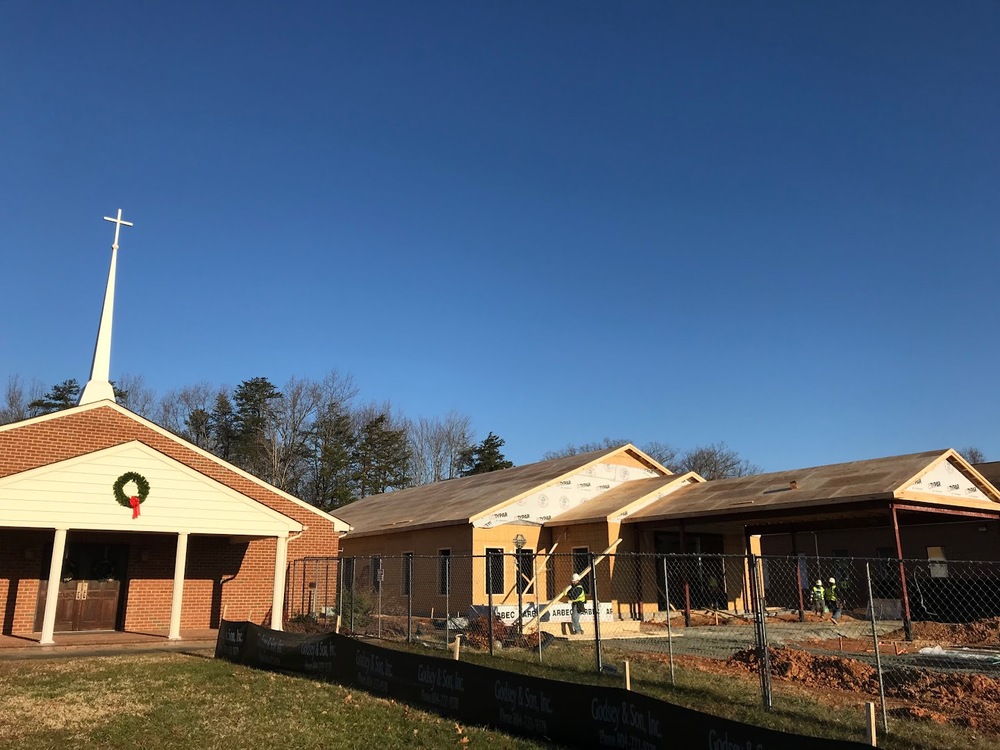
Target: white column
(278,597)
(52,592)
(180,560)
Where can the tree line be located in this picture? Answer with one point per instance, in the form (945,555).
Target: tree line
(314,440)
(310,438)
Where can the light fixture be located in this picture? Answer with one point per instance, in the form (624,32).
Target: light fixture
(519,541)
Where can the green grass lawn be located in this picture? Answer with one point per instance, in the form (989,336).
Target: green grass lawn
(176,700)
(180,700)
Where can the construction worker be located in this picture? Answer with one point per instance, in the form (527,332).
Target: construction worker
(818,598)
(831,598)
(577,598)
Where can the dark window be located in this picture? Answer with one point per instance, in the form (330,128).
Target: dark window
(407,572)
(581,561)
(494,570)
(525,570)
(348,574)
(888,566)
(444,571)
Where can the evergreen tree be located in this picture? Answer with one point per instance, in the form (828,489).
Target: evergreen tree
(254,420)
(484,457)
(381,456)
(222,427)
(60,396)
(331,444)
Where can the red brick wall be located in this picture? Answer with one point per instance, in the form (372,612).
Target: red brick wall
(222,579)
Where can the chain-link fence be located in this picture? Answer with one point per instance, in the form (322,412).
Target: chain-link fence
(896,630)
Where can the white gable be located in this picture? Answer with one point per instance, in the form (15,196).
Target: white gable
(945,479)
(548,503)
(78,494)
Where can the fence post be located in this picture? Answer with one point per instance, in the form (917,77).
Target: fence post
(379,577)
(315,597)
(354,588)
(447,600)
(757,602)
(409,599)
(340,589)
(597,612)
(326,589)
(670,635)
(538,620)
(489,595)
(687,583)
(798,581)
(878,656)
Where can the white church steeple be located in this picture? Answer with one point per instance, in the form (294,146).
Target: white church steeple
(99,388)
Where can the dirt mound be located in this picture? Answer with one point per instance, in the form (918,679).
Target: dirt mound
(961,699)
(981,632)
(810,669)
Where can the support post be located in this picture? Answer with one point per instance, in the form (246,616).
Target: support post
(278,593)
(177,598)
(907,623)
(597,612)
(687,584)
(52,590)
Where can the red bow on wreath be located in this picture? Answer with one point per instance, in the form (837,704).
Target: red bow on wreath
(134,502)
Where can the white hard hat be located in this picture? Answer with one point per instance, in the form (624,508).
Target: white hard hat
(575,578)
(833,580)
(819,583)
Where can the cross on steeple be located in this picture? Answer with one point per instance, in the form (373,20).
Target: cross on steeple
(118,225)
(99,387)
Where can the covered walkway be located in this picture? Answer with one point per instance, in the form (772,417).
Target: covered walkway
(106,643)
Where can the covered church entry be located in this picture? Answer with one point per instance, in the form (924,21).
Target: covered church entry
(90,588)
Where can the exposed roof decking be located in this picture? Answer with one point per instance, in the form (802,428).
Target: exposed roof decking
(622,498)
(880,479)
(467,498)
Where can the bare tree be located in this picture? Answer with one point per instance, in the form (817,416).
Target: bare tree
(286,432)
(185,412)
(606,444)
(132,393)
(717,461)
(662,453)
(973,455)
(17,399)
(437,445)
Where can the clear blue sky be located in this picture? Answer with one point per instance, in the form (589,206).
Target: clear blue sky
(769,224)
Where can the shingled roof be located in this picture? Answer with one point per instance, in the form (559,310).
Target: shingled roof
(886,479)
(465,499)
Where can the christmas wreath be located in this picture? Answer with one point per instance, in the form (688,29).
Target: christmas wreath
(134,501)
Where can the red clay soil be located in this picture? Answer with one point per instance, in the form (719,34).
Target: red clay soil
(701,618)
(971,700)
(981,632)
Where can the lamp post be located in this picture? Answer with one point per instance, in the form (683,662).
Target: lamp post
(519,542)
